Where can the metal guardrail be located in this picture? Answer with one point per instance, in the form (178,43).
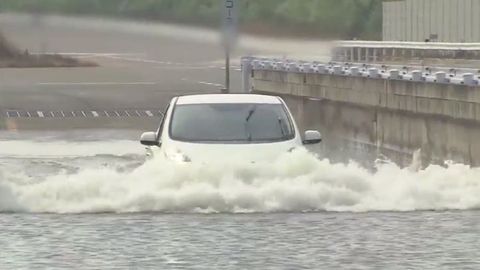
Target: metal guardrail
(408,45)
(388,51)
(468,77)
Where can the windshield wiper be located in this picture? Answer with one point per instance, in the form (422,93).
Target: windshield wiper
(247,130)
(250,113)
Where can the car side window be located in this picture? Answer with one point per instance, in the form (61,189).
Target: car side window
(162,122)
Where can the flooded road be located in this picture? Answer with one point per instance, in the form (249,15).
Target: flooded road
(417,240)
(77,192)
(99,204)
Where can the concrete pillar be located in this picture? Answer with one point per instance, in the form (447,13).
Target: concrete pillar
(352,55)
(375,51)
(359,54)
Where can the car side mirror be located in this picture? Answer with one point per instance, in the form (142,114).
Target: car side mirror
(149,139)
(312,137)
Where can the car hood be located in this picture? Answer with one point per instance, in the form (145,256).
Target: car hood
(227,153)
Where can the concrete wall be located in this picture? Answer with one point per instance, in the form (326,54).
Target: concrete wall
(417,20)
(391,117)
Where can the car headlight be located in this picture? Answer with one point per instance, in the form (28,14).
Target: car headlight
(178,157)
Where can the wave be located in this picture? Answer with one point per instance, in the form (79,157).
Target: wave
(294,182)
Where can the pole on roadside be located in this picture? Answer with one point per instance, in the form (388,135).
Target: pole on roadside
(230,22)
(246,74)
(227,69)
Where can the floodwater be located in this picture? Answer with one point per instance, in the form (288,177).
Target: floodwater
(101,205)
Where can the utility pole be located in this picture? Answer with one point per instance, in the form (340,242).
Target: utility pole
(230,22)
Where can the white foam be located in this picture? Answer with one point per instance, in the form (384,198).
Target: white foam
(295,182)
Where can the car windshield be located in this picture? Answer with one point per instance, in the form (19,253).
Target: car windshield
(236,123)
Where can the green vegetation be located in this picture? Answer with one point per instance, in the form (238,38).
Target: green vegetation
(318,18)
(11,57)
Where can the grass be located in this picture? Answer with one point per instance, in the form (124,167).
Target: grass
(11,57)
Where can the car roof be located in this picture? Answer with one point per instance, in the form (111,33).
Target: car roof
(228,98)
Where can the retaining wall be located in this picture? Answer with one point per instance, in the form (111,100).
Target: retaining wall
(381,115)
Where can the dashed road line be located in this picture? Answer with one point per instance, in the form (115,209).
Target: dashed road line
(13,114)
(95,83)
(55,114)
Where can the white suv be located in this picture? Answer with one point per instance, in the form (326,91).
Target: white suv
(227,127)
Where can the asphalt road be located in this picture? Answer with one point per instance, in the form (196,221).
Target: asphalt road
(138,74)
(142,66)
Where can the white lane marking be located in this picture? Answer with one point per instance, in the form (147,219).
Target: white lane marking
(209,83)
(149,113)
(202,82)
(106,113)
(28,114)
(63,114)
(118,115)
(92,53)
(95,114)
(201,65)
(9,115)
(84,115)
(128,114)
(96,83)
(138,113)
(141,60)
(40,114)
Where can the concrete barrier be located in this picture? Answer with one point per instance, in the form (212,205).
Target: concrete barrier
(382,112)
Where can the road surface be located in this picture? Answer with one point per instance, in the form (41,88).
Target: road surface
(142,66)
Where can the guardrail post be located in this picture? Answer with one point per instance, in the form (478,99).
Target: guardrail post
(394,74)
(469,79)
(354,71)
(441,77)
(417,75)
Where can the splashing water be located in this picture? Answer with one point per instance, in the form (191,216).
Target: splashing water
(294,182)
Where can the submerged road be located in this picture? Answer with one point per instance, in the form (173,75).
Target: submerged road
(139,73)
(73,153)
(142,66)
